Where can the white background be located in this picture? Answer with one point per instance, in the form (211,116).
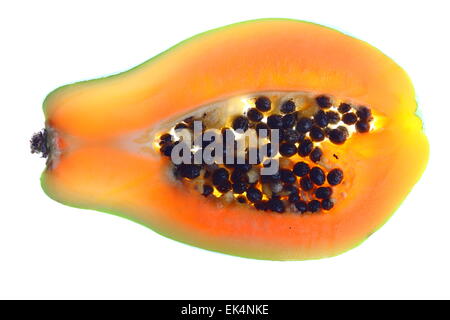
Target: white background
(48,250)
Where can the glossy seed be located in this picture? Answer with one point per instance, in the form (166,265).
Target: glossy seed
(335,177)
(240,123)
(362,126)
(337,136)
(167,137)
(364,113)
(190,171)
(275,121)
(254,115)
(207,190)
(290,135)
(327,204)
(241,199)
(224,186)
(305,148)
(290,189)
(239,187)
(301,169)
(288,120)
(306,183)
(321,119)
(316,154)
(220,176)
(276,205)
(313,206)
(344,107)
(333,117)
(349,118)
(263,104)
(166,149)
(344,131)
(317,134)
(301,206)
(288,149)
(287,107)
(287,176)
(317,176)
(304,125)
(323,192)
(323,102)
(253,194)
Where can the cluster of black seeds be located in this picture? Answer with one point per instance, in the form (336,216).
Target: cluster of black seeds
(305,186)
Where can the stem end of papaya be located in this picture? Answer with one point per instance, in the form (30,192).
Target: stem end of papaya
(39,144)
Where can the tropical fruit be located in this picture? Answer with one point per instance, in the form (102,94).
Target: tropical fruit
(271,139)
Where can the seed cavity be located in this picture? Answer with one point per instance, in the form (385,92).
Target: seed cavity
(292,133)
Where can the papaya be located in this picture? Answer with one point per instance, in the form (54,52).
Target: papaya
(269,139)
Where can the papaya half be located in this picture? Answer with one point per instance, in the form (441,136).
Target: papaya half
(319,131)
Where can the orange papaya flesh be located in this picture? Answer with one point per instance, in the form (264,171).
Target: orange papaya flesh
(104,151)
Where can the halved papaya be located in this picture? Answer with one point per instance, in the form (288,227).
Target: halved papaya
(350,146)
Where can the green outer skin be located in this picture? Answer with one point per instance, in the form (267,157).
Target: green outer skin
(246,255)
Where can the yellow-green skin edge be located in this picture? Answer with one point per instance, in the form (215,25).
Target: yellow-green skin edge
(112,211)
